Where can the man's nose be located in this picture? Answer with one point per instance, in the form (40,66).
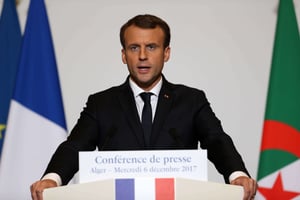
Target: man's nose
(143,54)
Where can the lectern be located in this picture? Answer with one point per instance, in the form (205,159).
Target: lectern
(144,175)
(182,189)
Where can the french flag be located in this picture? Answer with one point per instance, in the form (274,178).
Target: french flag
(145,189)
(36,122)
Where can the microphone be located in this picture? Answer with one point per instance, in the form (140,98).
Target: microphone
(176,137)
(111,132)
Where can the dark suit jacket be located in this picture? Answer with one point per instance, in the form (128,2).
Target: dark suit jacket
(183,117)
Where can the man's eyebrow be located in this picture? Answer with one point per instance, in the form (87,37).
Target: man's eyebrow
(152,44)
(133,44)
(138,45)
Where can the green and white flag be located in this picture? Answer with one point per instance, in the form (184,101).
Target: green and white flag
(279,165)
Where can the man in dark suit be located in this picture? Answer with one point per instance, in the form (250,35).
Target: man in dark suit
(115,119)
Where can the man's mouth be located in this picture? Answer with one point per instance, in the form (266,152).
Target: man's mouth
(143,67)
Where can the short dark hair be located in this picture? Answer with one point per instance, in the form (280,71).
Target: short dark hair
(147,22)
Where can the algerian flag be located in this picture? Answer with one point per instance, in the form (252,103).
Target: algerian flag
(279,164)
(36,123)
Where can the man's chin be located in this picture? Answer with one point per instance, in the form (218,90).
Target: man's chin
(146,82)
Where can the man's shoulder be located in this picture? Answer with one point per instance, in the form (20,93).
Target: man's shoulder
(182,88)
(110,92)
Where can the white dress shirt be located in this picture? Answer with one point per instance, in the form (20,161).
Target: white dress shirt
(139,101)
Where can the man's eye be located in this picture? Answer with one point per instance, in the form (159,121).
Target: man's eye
(134,48)
(151,47)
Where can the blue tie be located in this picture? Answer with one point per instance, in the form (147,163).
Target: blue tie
(147,116)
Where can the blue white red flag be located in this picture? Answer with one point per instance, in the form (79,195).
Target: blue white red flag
(36,123)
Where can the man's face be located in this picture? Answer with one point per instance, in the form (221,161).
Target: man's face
(145,55)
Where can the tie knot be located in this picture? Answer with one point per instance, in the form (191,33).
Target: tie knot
(146,96)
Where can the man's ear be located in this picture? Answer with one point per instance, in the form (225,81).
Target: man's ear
(124,56)
(167,53)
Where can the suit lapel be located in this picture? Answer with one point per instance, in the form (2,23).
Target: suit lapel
(164,105)
(128,105)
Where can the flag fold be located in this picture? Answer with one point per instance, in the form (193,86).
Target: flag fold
(10,40)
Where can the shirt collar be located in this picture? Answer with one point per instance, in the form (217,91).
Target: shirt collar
(137,90)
